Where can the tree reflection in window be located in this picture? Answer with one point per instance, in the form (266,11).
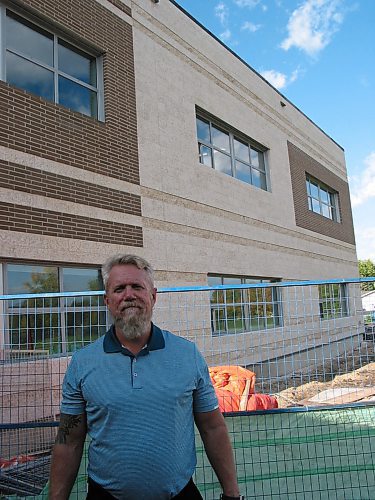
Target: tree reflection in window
(53,324)
(245,309)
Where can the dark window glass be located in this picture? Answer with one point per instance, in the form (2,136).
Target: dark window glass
(28,40)
(203,131)
(81,280)
(29,76)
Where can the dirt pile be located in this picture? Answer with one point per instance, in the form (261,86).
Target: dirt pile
(356,371)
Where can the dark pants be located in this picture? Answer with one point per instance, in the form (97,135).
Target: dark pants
(96,492)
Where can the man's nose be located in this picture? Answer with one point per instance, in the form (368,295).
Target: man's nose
(129,293)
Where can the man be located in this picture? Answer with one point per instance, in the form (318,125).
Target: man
(137,392)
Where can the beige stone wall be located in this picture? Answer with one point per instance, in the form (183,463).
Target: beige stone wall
(31,389)
(199,220)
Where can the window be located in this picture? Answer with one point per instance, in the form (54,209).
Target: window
(52,324)
(322,199)
(245,309)
(42,63)
(333,301)
(227,152)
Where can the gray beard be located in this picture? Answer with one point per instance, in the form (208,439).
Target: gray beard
(133,327)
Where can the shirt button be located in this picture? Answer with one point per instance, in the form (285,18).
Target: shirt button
(135,374)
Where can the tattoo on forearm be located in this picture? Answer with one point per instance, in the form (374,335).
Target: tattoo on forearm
(67,423)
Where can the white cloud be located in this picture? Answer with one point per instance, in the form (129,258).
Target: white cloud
(295,74)
(363,186)
(249,26)
(247,3)
(222,12)
(278,80)
(312,25)
(365,242)
(225,36)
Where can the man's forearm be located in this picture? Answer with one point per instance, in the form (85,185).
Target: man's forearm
(66,455)
(64,468)
(215,437)
(219,452)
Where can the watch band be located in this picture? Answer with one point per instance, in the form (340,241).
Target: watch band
(227,497)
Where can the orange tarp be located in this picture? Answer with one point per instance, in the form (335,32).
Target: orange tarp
(235,387)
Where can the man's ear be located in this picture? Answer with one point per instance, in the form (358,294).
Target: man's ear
(154,293)
(105,299)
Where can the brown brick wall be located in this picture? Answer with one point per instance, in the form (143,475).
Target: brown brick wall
(47,222)
(35,181)
(302,164)
(32,125)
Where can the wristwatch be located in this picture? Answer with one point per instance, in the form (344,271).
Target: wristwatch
(227,497)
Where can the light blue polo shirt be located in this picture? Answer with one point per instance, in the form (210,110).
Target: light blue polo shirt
(140,412)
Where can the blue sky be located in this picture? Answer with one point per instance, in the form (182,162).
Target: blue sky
(321,55)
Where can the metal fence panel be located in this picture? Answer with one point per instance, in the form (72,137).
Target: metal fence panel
(310,344)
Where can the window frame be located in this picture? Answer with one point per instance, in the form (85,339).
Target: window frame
(56,35)
(234,135)
(246,318)
(55,313)
(333,196)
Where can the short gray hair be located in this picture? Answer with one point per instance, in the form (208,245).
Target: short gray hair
(123,259)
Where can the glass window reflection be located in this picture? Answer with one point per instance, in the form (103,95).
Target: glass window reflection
(76,97)
(243,172)
(29,76)
(31,65)
(254,155)
(203,130)
(28,40)
(258,178)
(222,163)
(242,310)
(205,155)
(31,279)
(229,154)
(220,139)
(81,280)
(73,62)
(241,150)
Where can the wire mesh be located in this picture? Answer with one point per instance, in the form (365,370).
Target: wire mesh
(310,345)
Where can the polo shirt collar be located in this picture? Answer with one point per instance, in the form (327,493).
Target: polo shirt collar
(111,343)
